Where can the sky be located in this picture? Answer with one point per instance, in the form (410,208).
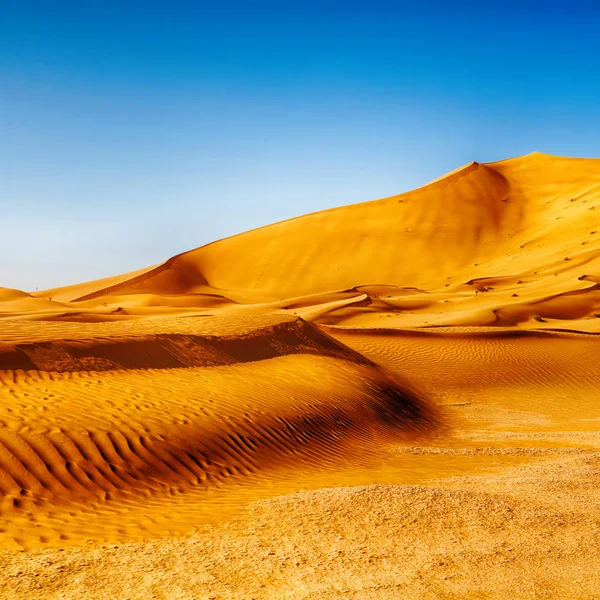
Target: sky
(132,131)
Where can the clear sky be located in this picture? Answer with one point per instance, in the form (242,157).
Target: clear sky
(131,131)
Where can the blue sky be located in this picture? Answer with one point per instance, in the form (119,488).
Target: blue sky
(131,131)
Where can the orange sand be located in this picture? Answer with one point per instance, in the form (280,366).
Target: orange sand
(394,399)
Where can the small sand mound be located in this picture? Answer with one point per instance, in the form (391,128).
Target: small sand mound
(112,430)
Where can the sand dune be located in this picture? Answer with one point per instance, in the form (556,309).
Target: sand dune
(97,426)
(15,302)
(488,244)
(428,355)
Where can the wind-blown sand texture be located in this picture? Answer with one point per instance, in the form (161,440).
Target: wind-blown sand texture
(394,399)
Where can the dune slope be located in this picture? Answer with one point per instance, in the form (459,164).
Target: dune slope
(95,429)
(501,244)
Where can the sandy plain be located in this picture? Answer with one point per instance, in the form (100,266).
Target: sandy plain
(395,399)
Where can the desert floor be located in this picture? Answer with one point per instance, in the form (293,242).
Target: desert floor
(413,412)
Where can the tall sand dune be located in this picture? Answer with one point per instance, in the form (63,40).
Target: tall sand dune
(488,244)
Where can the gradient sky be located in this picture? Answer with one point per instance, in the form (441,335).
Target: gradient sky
(131,131)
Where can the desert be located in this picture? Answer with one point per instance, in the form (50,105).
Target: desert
(391,399)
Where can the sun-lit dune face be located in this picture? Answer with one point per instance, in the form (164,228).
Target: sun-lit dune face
(406,240)
(13,302)
(410,239)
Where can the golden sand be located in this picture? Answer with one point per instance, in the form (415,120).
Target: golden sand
(394,399)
